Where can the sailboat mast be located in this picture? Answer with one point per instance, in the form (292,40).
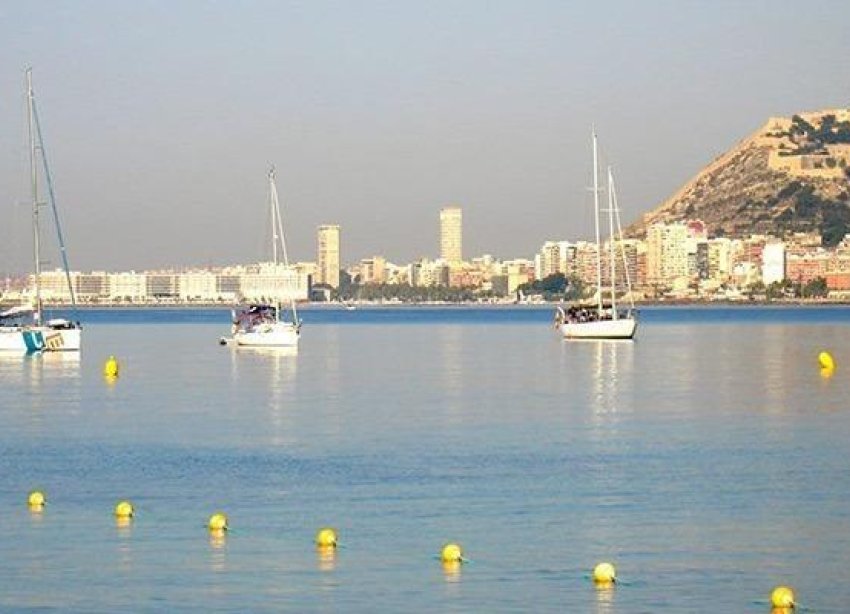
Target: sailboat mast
(279,230)
(279,236)
(48,178)
(622,247)
(273,208)
(596,220)
(274,215)
(611,261)
(34,193)
(279,233)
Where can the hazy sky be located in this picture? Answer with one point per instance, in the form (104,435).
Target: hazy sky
(161,118)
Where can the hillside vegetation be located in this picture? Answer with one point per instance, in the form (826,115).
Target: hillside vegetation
(792,175)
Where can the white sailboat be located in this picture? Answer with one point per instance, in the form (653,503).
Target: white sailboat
(24,328)
(601,319)
(261,325)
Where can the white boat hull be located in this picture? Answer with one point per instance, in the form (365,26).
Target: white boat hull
(60,339)
(623,328)
(15,339)
(25,339)
(277,334)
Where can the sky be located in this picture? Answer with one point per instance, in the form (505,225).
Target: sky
(161,118)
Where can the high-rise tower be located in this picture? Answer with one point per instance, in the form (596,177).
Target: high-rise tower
(451,234)
(328,256)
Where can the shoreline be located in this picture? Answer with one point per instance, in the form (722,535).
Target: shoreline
(448,305)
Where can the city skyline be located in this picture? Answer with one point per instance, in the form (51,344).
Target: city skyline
(377,114)
(680,260)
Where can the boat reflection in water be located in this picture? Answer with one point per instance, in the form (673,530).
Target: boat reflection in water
(37,365)
(279,362)
(291,350)
(612,363)
(271,374)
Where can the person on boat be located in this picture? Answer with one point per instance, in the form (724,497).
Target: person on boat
(560,316)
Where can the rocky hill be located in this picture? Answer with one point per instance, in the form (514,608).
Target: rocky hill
(792,175)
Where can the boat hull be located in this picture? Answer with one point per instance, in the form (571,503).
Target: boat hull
(60,339)
(25,339)
(278,334)
(623,328)
(20,339)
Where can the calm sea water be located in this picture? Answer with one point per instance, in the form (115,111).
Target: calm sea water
(708,460)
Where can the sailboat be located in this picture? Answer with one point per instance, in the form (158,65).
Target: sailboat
(24,328)
(601,319)
(261,325)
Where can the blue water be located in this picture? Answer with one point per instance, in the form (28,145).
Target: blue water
(708,460)
(463,314)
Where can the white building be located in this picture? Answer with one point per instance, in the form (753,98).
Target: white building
(198,286)
(666,252)
(130,287)
(267,282)
(773,263)
(328,259)
(88,287)
(429,273)
(451,235)
(720,257)
(554,257)
(516,273)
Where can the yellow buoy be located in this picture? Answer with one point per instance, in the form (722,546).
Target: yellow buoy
(124,509)
(326,538)
(604,573)
(826,361)
(110,367)
(218,522)
(36,499)
(782,597)
(452,553)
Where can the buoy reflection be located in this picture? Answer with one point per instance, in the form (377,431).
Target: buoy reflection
(218,550)
(124,525)
(218,538)
(605,597)
(326,557)
(36,515)
(452,570)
